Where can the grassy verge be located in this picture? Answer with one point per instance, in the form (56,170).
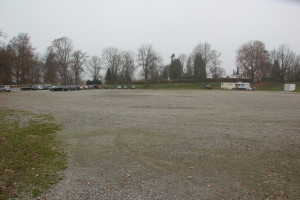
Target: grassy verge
(214,85)
(261,86)
(30,154)
(273,86)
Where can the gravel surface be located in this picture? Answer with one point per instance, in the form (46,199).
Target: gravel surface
(173,144)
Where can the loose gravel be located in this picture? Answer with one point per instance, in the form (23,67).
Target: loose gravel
(173,144)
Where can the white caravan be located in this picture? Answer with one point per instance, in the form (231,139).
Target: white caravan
(236,86)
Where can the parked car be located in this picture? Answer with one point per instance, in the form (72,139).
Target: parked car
(77,87)
(59,88)
(132,87)
(207,87)
(105,87)
(112,87)
(5,88)
(39,87)
(31,87)
(47,87)
(71,87)
(119,87)
(125,87)
(95,86)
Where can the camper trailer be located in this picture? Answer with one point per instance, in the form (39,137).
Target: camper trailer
(227,86)
(236,86)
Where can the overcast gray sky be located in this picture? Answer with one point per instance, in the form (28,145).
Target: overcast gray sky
(171,26)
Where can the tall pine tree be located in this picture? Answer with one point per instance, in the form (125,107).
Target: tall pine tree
(275,71)
(199,68)
(175,69)
(108,76)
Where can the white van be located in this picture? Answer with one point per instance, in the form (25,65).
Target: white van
(4,88)
(242,86)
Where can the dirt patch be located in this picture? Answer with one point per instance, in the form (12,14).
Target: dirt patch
(146,144)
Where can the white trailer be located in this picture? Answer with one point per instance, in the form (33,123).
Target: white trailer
(289,87)
(227,86)
(236,86)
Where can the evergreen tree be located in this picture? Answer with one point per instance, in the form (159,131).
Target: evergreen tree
(165,74)
(108,76)
(199,68)
(275,71)
(175,69)
(50,68)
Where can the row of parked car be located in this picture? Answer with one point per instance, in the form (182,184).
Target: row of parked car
(35,87)
(72,87)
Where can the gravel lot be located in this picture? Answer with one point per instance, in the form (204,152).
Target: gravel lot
(173,144)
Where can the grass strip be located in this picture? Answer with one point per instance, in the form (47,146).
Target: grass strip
(30,154)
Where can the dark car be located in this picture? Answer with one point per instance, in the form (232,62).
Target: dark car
(71,87)
(5,88)
(59,88)
(31,87)
(112,87)
(47,87)
(105,87)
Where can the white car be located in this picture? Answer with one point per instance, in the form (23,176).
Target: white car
(4,88)
(39,87)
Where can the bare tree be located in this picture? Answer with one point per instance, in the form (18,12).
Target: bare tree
(148,59)
(214,66)
(2,35)
(128,67)
(5,64)
(113,60)
(62,48)
(36,70)
(217,72)
(253,60)
(210,57)
(22,57)
(285,57)
(78,59)
(295,70)
(94,66)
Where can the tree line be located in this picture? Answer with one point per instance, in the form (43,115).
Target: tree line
(62,64)
(255,62)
